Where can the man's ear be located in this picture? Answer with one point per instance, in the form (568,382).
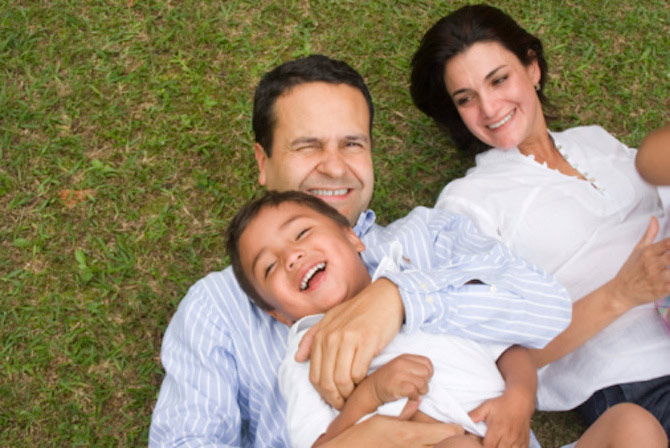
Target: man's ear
(280,317)
(261,157)
(355,240)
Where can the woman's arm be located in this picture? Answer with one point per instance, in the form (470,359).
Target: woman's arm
(653,157)
(643,278)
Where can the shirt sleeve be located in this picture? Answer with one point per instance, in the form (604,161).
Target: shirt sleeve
(466,284)
(197,402)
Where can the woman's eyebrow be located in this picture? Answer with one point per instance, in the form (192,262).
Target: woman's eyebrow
(487,77)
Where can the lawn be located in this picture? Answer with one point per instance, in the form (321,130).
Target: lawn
(125,147)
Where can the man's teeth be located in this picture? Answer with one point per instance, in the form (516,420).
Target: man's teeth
(310,274)
(340,192)
(501,122)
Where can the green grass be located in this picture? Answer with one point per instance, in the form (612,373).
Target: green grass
(145,107)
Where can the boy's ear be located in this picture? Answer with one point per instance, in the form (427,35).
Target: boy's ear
(280,317)
(261,157)
(355,240)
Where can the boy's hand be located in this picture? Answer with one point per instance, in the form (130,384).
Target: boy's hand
(507,418)
(343,343)
(404,376)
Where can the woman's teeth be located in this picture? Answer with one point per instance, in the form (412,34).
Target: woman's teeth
(501,122)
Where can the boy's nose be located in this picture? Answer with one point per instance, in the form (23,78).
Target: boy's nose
(293,258)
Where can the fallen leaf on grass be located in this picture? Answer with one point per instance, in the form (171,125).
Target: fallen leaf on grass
(73,197)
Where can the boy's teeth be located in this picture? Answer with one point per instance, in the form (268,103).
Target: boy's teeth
(501,122)
(310,273)
(339,192)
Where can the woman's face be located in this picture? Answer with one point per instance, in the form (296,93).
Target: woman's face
(495,95)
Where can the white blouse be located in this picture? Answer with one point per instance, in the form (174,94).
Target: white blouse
(581,231)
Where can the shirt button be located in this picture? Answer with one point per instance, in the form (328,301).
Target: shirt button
(430,299)
(493,288)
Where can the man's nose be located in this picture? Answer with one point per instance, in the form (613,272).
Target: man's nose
(332,162)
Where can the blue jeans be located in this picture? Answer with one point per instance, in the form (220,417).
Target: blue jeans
(653,395)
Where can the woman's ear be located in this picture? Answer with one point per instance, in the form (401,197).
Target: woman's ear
(533,68)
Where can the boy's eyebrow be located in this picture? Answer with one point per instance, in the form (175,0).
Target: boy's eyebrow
(490,75)
(283,225)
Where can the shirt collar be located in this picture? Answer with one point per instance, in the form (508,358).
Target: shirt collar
(365,222)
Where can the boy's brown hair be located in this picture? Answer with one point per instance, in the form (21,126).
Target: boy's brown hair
(250,211)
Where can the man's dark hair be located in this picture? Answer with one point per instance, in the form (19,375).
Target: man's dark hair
(250,211)
(314,68)
(452,35)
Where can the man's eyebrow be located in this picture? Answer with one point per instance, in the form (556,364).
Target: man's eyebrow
(357,137)
(283,225)
(490,75)
(305,140)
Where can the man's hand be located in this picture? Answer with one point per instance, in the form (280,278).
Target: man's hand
(343,343)
(391,432)
(507,419)
(404,376)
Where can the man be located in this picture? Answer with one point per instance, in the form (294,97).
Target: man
(312,120)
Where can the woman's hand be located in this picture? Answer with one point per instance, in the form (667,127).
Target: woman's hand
(645,276)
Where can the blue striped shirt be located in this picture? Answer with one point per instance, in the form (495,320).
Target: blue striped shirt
(221,354)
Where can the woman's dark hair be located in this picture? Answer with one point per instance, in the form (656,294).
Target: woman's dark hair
(250,211)
(452,35)
(278,81)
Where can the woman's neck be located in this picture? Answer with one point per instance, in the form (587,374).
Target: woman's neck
(544,149)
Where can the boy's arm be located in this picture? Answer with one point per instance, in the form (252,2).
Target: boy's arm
(404,376)
(653,157)
(508,416)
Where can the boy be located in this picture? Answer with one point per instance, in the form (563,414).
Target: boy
(295,256)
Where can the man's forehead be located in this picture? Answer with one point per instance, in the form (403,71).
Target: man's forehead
(305,106)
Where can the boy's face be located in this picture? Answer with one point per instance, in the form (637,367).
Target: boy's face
(301,262)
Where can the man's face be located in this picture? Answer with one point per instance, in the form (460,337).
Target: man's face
(322,146)
(300,261)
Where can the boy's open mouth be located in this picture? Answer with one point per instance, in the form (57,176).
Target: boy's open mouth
(319,267)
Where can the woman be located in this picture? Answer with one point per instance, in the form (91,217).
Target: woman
(568,201)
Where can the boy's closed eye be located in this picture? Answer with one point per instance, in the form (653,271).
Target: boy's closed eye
(268,269)
(303,232)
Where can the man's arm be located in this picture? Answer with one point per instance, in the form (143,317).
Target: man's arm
(197,404)
(511,300)
(390,432)
(508,417)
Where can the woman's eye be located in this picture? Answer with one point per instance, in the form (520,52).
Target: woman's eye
(499,80)
(462,100)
